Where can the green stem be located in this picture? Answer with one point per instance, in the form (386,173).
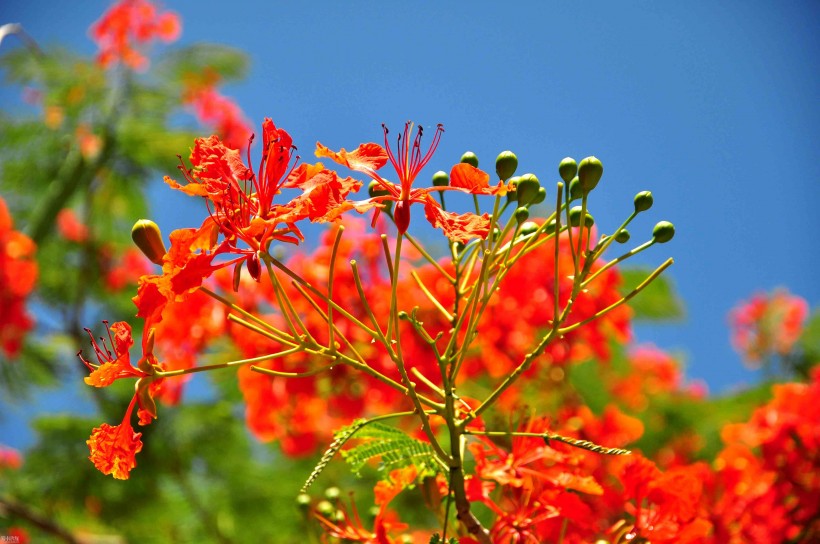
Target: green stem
(411,388)
(239,362)
(549,436)
(649,279)
(613,262)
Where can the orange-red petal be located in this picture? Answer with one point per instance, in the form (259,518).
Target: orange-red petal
(114,449)
(366,157)
(457,227)
(472,180)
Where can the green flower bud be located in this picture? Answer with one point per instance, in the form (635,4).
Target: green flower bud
(325,508)
(496,234)
(441,179)
(505,164)
(575,218)
(147,236)
(303,501)
(568,169)
(575,191)
(332,493)
(527,189)
(589,172)
(540,197)
(470,158)
(551,226)
(512,195)
(528,228)
(663,232)
(643,201)
(376,189)
(521,215)
(622,237)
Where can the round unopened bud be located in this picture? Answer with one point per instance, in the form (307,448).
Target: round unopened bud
(496,234)
(470,158)
(512,194)
(303,500)
(441,179)
(622,237)
(333,493)
(575,218)
(505,164)
(643,201)
(147,236)
(568,169)
(527,189)
(528,228)
(575,191)
(521,215)
(551,226)
(540,197)
(376,189)
(589,172)
(663,232)
(325,508)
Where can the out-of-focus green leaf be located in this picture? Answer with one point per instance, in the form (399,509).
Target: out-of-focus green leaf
(231,64)
(657,302)
(809,341)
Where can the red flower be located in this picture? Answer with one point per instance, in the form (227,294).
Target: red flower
(10,458)
(240,200)
(408,161)
(114,366)
(128,25)
(70,227)
(18,274)
(767,325)
(113,449)
(220,112)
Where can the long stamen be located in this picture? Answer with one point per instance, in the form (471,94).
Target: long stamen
(429,155)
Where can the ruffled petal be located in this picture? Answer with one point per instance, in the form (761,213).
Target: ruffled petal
(114,449)
(366,158)
(457,227)
(470,179)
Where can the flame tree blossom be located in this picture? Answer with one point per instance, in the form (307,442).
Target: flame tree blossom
(408,160)
(216,110)
(767,326)
(129,26)
(18,275)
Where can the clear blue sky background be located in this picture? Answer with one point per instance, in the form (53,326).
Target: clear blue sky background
(711,105)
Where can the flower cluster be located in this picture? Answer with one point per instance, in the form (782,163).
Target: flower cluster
(766,326)
(18,274)
(767,482)
(213,109)
(129,26)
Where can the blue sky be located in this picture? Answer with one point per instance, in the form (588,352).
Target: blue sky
(712,106)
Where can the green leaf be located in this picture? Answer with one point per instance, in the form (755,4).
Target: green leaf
(657,302)
(231,64)
(393,449)
(340,437)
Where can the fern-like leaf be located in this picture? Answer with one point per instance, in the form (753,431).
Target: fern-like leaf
(340,437)
(393,449)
